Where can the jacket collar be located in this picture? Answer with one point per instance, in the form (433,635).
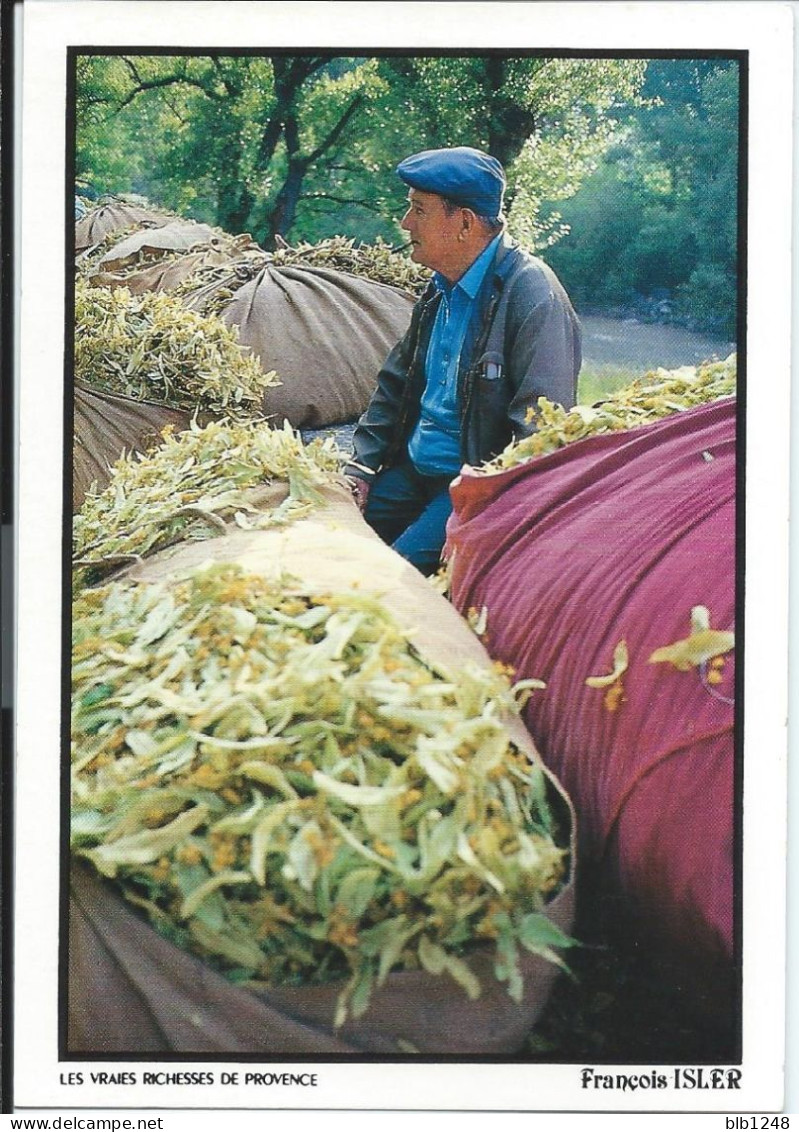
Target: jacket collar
(502,263)
(497,272)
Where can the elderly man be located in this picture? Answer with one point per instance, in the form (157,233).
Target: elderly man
(493,332)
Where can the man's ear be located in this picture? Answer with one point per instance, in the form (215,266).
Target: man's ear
(468,221)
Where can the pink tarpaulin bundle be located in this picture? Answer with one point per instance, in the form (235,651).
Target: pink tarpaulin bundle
(617,538)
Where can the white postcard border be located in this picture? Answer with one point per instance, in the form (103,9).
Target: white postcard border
(763,29)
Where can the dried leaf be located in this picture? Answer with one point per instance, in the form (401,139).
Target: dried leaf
(478,620)
(356,795)
(193,901)
(621,661)
(148,845)
(700,618)
(357,889)
(187,487)
(694,650)
(437,961)
(152,348)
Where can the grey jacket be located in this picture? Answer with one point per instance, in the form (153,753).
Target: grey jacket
(523,342)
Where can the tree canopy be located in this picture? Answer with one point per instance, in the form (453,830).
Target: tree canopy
(624,170)
(306,145)
(657,220)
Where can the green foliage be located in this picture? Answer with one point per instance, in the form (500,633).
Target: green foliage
(104,157)
(306,145)
(657,218)
(710,296)
(625,170)
(580,102)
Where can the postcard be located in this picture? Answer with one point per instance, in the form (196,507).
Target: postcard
(403,433)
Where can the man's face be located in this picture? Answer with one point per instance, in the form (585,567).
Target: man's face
(433,233)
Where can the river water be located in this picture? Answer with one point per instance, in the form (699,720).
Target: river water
(641,346)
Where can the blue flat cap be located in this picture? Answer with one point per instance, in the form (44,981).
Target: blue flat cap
(471,178)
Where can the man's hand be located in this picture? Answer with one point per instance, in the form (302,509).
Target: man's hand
(360,490)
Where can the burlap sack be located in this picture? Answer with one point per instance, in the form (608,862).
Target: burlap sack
(106,425)
(163,275)
(107,218)
(131,991)
(177,235)
(324,332)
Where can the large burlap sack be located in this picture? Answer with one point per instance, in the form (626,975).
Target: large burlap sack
(324,332)
(108,218)
(176,236)
(164,275)
(616,538)
(131,991)
(105,426)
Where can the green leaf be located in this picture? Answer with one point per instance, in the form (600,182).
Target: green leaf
(301,863)
(402,932)
(237,949)
(89,825)
(695,650)
(621,660)
(141,743)
(263,836)
(269,775)
(506,967)
(158,621)
(96,694)
(148,845)
(192,902)
(537,932)
(362,992)
(356,795)
(437,961)
(357,890)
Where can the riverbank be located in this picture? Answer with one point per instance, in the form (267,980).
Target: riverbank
(616,351)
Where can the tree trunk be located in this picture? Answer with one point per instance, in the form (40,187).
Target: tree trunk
(234,200)
(509,123)
(280,214)
(234,206)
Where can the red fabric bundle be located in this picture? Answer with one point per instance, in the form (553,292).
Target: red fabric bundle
(616,538)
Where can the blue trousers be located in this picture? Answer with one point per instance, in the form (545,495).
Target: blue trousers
(409,511)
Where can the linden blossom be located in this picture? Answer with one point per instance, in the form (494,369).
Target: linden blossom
(658,394)
(325,686)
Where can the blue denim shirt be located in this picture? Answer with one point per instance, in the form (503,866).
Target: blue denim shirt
(434,446)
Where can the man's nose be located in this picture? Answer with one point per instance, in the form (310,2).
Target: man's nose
(404,222)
